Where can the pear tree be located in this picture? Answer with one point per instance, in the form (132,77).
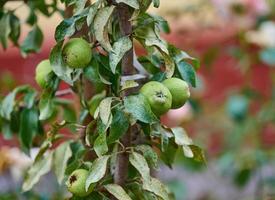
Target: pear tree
(114,139)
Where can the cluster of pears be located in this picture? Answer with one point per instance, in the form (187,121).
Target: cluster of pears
(76,54)
(172,93)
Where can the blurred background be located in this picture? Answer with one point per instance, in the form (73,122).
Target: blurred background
(231,114)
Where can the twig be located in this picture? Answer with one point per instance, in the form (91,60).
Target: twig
(96,44)
(64,92)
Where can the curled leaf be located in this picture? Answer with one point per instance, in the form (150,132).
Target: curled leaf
(101,26)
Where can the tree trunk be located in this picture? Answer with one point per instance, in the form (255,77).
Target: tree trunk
(124,16)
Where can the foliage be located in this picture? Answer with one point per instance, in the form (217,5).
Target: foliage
(241,141)
(96,139)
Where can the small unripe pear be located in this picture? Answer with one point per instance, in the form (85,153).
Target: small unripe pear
(179,90)
(77,53)
(76,183)
(158,96)
(43,69)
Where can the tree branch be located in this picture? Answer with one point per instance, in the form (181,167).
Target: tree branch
(121,171)
(61,93)
(26,1)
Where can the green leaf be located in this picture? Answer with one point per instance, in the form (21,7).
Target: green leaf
(181,137)
(79,6)
(132,3)
(69,113)
(41,6)
(29,98)
(129,84)
(242,177)
(65,28)
(32,42)
(103,77)
(95,196)
(89,133)
(119,126)
(149,33)
(75,162)
(28,127)
(9,101)
(169,65)
(92,12)
(105,110)
(187,72)
(101,26)
(80,22)
(179,55)
(5,29)
(168,156)
(149,64)
(164,134)
(97,171)
(162,23)
(32,17)
(104,71)
(139,193)
(139,162)
(95,101)
(144,4)
(164,142)
(117,191)
(140,109)
(38,169)
(187,151)
(155,186)
(15,121)
(100,145)
(161,76)
(149,154)
(68,26)
(68,2)
(46,105)
(152,38)
(91,72)
(6,129)
(43,148)
(156,3)
(120,47)
(64,72)
(198,154)
(101,127)
(15,29)
(61,156)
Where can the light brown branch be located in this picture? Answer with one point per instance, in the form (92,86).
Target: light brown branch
(61,93)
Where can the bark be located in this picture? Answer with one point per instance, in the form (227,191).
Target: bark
(124,15)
